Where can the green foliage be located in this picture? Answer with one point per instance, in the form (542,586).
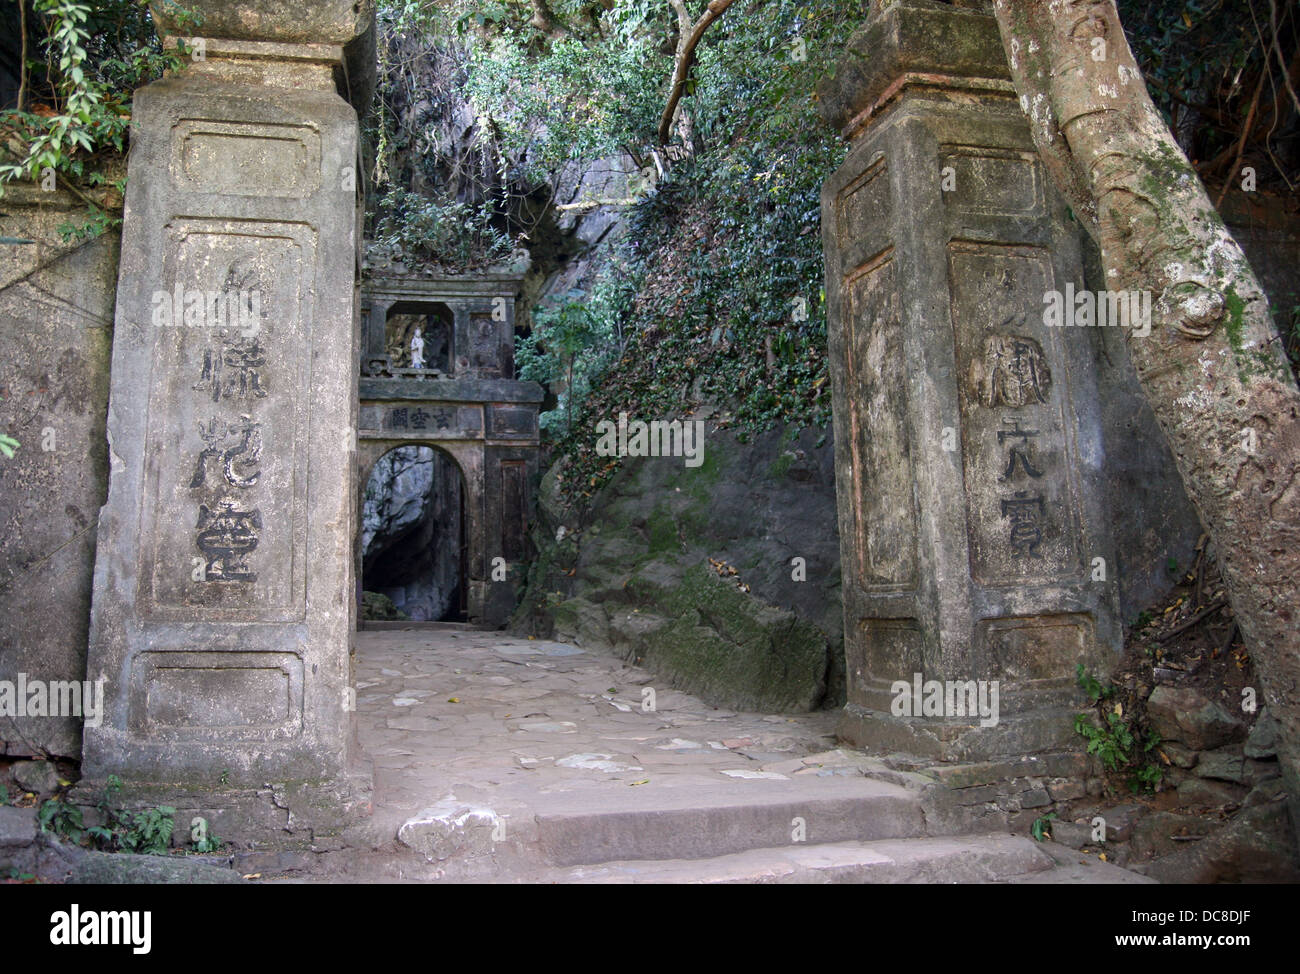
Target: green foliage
(572,344)
(61,818)
(1090,685)
(1042,827)
(440,231)
(1118,743)
(4,795)
(95,56)
(8,445)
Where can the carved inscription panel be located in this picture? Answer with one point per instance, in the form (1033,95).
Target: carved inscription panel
(1021,509)
(224,523)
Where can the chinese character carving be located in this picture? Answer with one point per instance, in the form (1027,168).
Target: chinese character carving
(233,368)
(226,536)
(1013,372)
(239,448)
(1019,454)
(1026,514)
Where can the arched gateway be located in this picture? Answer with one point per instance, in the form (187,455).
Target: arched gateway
(437,369)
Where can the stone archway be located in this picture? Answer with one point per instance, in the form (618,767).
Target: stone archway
(468,460)
(413,544)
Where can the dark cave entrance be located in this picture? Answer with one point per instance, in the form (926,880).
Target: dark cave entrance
(413,534)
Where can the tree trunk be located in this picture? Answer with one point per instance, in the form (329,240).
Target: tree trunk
(1212,366)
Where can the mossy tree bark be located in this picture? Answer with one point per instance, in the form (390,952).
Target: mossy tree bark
(1212,366)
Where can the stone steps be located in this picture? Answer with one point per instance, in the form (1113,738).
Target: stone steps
(952,859)
(709,822)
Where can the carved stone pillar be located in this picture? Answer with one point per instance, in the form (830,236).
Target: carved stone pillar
(969,457)
(223,599)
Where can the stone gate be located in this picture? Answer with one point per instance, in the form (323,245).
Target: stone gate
(455,391)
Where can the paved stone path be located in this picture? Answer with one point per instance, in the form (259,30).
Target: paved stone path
(492,718)
(509,759)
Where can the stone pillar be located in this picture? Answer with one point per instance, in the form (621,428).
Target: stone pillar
(968,438)
(223,606)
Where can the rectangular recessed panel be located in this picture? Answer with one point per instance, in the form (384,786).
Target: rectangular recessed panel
(1016,455)
(225,463)
(217,696)
(883,501)
(862,216)
(1039,648)
(513,421)
(245,159)
(992,182)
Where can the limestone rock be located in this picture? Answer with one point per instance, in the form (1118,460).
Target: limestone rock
(1161,833)
(1262,742)
(17,826)
(1256,846)
(1189,717)
(1207,794)
(40,777)
(450,828)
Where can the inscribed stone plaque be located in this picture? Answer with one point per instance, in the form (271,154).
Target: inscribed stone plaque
(993,182)
(1017,462)
(225,481)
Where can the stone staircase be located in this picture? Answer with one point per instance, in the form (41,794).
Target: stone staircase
(834,829)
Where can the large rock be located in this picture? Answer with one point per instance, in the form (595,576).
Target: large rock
(1188,716)
(40,777)
(17,826)
(1257,846)
(754,637)
(1262,742)
(56,328)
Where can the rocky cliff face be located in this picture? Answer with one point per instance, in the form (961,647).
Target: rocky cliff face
(693,573)
(411,533)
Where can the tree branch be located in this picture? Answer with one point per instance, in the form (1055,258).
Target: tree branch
(687,41)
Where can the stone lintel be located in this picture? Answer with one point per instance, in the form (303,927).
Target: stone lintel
(452,390)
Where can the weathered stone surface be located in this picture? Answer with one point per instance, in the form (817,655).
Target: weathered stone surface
(17,826)
(1258,846)
(224,598)
(40,777)
(450,828)
(1229,764)
(1075,835)
(56,313)
(751,508)
(732,650)
(1164,832)
(118,868)
(1199,793)
(1262,740)
(1189,717)
(968,433)
(283,21)
(1120,820)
